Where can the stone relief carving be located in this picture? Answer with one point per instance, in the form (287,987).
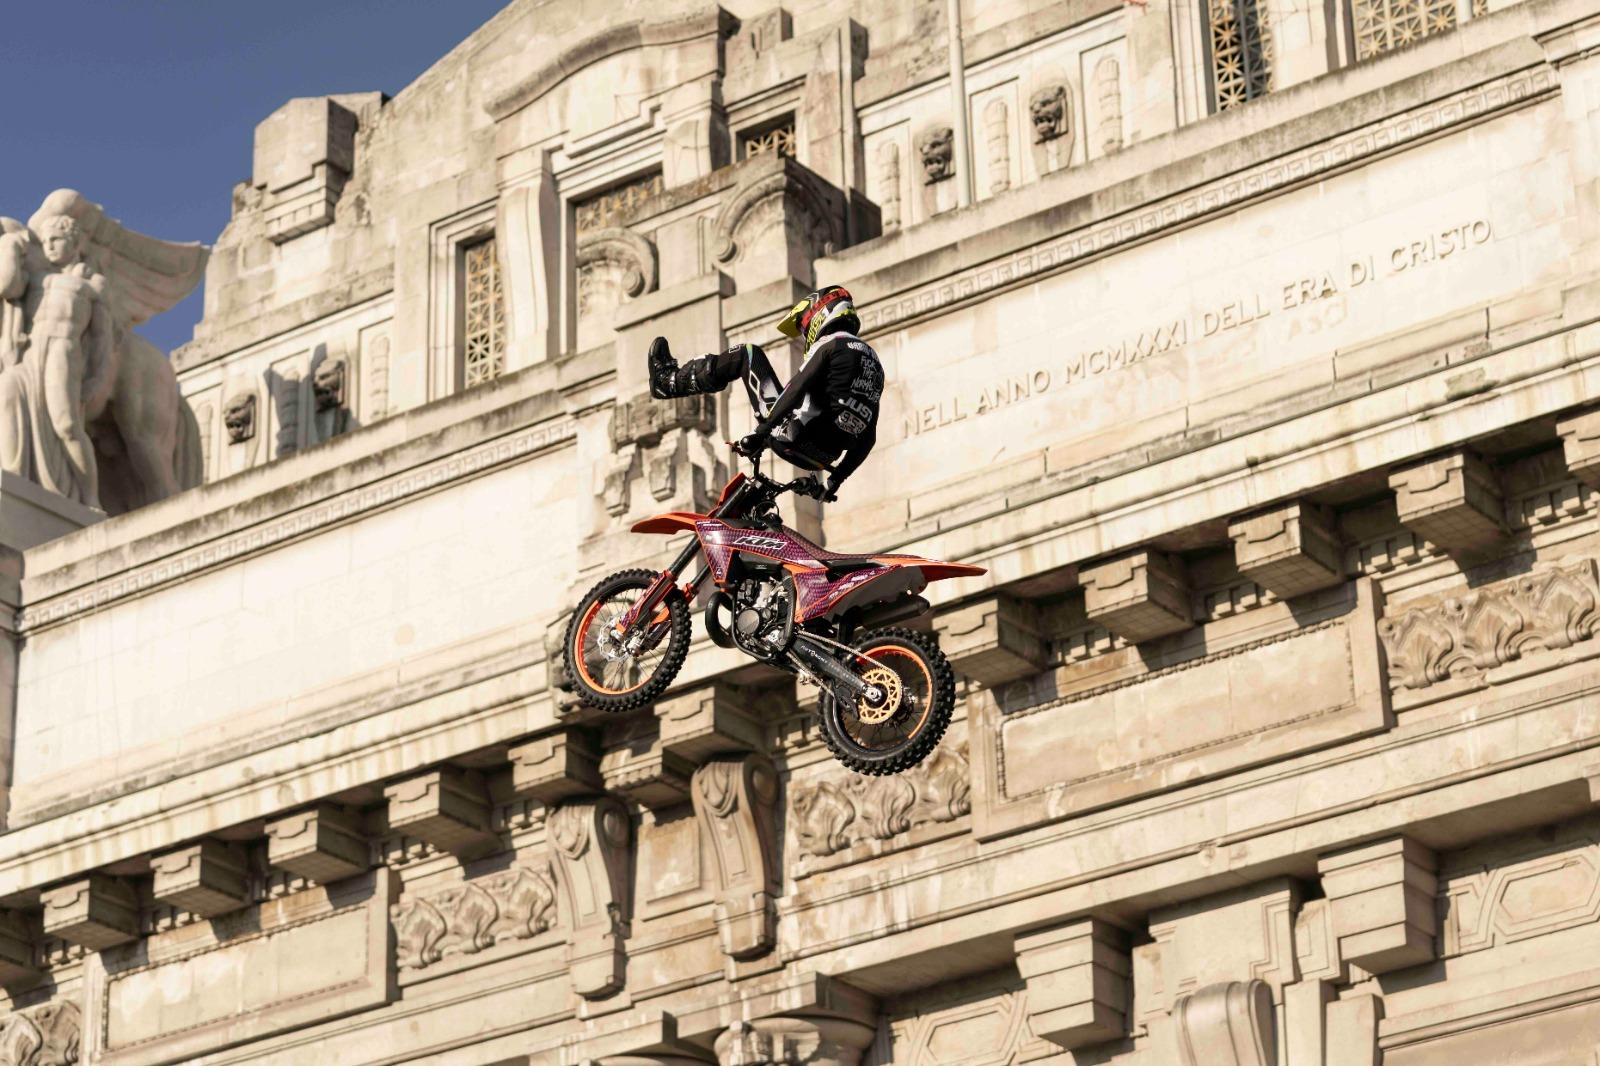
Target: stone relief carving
(613,265)
(590,840)
(88,409)
(46,1035)
(1543,887)
(1229,1024)
(654,439)
(1048,111)
(997,133)
(793,1042)
(329,413)
(889,185)
(327,384)
(239,417)
(377,405)
(1549,608)
(515,904)
(734,800)
(1108,101)
(937,149)
(836,813)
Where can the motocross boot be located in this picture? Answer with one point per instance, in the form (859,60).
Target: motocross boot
(663,370)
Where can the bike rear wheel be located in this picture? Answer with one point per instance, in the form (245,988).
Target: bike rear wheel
(906,728)
(619,673)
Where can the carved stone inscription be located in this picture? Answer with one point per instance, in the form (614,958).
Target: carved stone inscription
(1315,287)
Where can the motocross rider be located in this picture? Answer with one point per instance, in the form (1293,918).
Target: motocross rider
(828,412)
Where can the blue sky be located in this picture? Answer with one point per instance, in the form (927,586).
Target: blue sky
(148,106)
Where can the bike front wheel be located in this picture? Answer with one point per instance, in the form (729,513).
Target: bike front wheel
(901,731)
(615,670)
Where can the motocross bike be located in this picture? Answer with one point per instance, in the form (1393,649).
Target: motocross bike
(886,692)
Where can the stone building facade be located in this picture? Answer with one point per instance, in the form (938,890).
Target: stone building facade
(1251,345)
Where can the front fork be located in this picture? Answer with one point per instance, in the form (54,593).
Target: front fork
(653,604)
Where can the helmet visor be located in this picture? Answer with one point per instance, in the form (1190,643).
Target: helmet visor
(789,324)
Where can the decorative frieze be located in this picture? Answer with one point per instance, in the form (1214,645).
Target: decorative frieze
(1291,549)
(836,813)
(1228,1024)
(206,878)
(322,845)
(1451,500)
(446,807)
(1078,982)
(1382,900)
(514,904)
(589,840)
(1554,606)
(1139,596)
(993,640)
(734,800)
(1519,888)
(94,912)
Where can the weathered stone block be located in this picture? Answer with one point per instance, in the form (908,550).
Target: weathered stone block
(1580,443)
(1382,901)
(323,845)
(446,806)
(1139,596)
(18,965)
(1450,500)
(94,912)
(706,722)
(1290,549)
(994,640)
(1077,977)
(653,778)
(556,767)
(207,878)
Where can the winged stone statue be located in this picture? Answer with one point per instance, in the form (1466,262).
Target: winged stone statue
(88,408)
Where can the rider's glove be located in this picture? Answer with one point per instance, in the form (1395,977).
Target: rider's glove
(831,493)
(751,446)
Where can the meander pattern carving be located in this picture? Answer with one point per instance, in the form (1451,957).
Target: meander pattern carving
(835,813)
(516,904)
(46,1035)
(1467,634)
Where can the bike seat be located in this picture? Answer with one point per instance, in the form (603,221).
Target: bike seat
(836,563)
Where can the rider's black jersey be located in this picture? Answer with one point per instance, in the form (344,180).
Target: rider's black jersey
(834,399)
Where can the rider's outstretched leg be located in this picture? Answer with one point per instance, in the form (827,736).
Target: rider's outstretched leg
(708,373)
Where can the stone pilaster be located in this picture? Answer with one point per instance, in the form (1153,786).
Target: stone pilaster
(1381,897)
(1078,988)
(735,798)
(1139,596)
(1450,500)
(589,839)
(528,237)
(1291,549)
(1353,1031)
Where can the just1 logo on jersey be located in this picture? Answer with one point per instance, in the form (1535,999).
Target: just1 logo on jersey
(765,544)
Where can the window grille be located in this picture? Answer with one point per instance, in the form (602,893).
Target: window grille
(485,328)
(1384,25)
(1241,51)
(775,140)
(603,209)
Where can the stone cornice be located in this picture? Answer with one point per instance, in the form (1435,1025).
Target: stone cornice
(1463,108)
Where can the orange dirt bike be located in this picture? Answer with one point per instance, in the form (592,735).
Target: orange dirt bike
(887,692)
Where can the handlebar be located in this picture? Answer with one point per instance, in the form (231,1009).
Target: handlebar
(800,486)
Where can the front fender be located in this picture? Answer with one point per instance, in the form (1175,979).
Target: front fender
(671,522)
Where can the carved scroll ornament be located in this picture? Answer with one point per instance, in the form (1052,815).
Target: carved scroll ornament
(734,799)
(760,203)
(46,1035)
(1230,1024)
(515,904)
(1459,636)
(632,254)
(836,813)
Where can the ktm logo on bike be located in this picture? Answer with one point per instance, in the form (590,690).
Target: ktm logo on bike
(771,544)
